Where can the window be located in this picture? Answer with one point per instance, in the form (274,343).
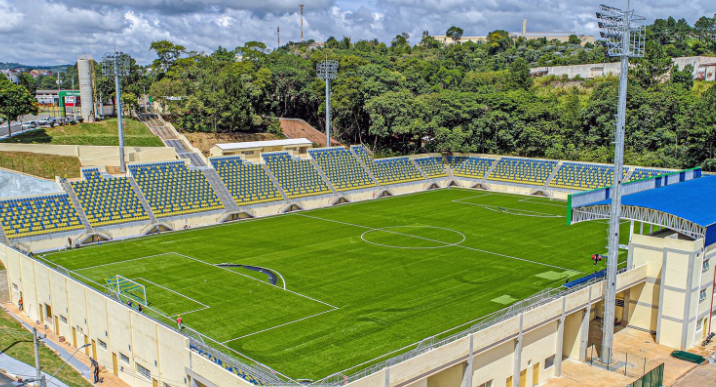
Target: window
(102,344)
(143,371)
(702,296)
(124,357)
(549,362)
(248,152)
(705,265)
(63,319)
(48,312)
(486,384)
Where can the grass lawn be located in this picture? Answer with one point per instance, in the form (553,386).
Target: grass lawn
(362,279)
(47,166)
(11,331)
(98,133)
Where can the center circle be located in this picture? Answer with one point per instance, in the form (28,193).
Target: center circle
(413,237)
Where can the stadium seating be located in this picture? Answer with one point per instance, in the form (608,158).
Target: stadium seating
(432,166)
(39,215)
(297,177)
(389,171)
(108,201)
(646,173)
(581,176)
(173,189)
(342,169)
(247,182)
(523,171)
(474,167)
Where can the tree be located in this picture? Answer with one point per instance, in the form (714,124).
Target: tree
(518,75)
(683,77)
(129,101)
(574,39)
(454,33)
(15,101)
(167,53)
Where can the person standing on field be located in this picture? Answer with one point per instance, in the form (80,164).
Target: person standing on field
(179,322)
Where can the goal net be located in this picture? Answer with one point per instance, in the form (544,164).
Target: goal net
(126,288)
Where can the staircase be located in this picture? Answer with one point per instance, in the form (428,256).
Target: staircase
(627,177)
(3,238)
(221,191)
(275,181)
(492,168)
(80,212)
(143,200)
(553,174)
(422,173)
(323,175)
(365,167)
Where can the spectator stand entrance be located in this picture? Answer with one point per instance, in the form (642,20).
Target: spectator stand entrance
(680,201)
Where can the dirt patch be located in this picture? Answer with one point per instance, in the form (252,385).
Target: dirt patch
(204,141)
(295,128)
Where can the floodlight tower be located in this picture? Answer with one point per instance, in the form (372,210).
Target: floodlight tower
(328,70)
(117,64)
(624,33)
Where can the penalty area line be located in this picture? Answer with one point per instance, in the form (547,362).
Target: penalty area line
(118,262)
(173,291)
(279,326)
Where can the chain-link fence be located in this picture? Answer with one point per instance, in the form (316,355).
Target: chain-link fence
(622,362)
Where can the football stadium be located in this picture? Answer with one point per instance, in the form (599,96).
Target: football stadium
(279,264)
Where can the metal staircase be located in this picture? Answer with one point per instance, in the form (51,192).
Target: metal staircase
(221,190)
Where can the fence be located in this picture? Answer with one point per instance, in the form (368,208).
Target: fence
(653,378)
(623,363)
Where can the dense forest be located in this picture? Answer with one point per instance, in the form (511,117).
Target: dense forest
(399,98)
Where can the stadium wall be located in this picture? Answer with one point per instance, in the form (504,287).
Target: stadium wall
(96,155)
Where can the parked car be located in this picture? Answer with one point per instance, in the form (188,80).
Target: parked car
(29,125)
(47,121)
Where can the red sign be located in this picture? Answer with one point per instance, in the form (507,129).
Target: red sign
(69,101)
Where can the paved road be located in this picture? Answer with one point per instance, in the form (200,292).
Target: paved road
(16,125)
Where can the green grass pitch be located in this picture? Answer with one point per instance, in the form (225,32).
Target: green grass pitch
(362,280)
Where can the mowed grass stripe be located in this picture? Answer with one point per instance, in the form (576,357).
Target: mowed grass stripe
(387,297)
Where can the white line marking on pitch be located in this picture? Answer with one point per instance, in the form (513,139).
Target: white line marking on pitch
(252,278)
(114,263)
(175,292)
(280,325)
(437,241)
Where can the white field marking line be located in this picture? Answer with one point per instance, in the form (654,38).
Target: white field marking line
(431,240)
(173,291)
(279,326)
(444,244)
(114,263)
(506,210)
(252,278)
(533,201)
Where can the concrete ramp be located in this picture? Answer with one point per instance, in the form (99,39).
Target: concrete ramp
(298,128)
(14,184)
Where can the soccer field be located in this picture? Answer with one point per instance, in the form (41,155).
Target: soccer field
(355,281)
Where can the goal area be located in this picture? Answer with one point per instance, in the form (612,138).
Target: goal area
(126,288)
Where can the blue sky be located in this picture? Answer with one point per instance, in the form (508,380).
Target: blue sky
(56,31)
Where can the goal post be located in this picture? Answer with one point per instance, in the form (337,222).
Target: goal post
(125,287)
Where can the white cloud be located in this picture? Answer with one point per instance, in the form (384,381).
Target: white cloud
(56,31)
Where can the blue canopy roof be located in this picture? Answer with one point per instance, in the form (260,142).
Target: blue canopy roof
(692,200)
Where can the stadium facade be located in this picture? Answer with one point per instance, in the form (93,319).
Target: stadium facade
(666,287)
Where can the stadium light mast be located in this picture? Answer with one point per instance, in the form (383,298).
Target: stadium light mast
(624,33)
(117,64)
(328,70)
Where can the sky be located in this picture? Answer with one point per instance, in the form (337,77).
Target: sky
(50,32)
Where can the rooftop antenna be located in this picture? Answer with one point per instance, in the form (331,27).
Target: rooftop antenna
(624,34)
(301,6)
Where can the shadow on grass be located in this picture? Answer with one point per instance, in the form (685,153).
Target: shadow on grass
(38,136)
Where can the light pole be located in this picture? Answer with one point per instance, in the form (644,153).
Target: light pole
(117,64)
(63,364)
(328,70)
(624,33)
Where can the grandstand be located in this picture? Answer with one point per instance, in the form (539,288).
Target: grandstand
(248,183)
(523,171)
(389,171)
(28,217)
(474,167)
(297,177)
(108,201)
(173,189)
(344,171)
(647,173)
(581,176)
(432,166)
